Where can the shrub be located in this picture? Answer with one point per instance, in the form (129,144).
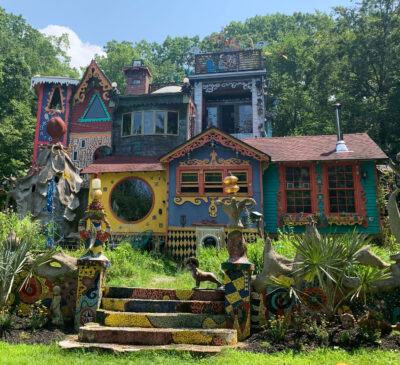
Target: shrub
(6,321)
(38,316)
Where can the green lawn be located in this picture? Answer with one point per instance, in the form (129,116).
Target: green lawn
(39,355)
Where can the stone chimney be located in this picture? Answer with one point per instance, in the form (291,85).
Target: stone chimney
(137,78)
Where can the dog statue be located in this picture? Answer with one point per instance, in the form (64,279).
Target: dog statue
(192,264)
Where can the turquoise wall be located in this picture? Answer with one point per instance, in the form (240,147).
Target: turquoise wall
(270,189)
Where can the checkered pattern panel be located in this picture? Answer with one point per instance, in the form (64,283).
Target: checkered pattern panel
(235,289)
(181,244)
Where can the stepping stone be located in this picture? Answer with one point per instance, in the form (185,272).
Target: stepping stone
(163,294)
(160,320)
(157,336)
(163,306)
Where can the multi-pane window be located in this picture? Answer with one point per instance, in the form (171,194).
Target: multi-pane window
(150,122)
(189,182)
(298,191)
(341,189)
(210,182)
(213,182)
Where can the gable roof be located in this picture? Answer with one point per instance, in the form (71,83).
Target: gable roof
(93,70)
(124,163)
(215,134)
(318,148)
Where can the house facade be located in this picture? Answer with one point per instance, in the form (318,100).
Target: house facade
(162,152)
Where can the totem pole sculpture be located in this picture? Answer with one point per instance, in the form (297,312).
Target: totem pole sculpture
(93,263)
(238,268)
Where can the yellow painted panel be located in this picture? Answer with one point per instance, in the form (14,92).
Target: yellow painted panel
(155,221)
(127,320)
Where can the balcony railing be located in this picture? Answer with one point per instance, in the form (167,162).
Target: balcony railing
(231,61)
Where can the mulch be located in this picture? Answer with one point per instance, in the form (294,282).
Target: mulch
(20,333)
(336,337)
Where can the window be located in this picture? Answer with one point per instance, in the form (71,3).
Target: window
(298,191)
(210,182)
(172,122)
(150,122)
(341,189)
(159,123)
(213,182)
(234,118)
(83,143)
(189,182)
(55,102)
(126,124)
(136,82)
(75,156)
(137,123)
(131,200)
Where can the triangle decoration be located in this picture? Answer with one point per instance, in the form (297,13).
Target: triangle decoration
(96,111)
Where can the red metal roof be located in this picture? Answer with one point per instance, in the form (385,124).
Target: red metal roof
(317,148)
(124,163)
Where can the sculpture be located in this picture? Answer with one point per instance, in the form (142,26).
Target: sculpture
(94,239)
(53,164)
(55,307)
(192,264)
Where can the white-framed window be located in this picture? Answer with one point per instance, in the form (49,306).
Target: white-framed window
(150,122)
(75,156)
(82,143)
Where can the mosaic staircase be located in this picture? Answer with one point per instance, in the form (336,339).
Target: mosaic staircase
(132,319)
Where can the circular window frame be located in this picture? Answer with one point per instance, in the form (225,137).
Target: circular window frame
(152,202)
(214,237)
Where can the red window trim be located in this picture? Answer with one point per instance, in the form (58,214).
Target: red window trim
(359,193)
(202,169)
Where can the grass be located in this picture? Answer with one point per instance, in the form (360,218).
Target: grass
(40,354)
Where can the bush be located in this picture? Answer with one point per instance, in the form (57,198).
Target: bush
(38,316)
(6,322)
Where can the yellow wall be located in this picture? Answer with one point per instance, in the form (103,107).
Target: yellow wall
(157,181)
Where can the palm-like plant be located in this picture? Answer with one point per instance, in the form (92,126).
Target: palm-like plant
(14,258)
(329,263)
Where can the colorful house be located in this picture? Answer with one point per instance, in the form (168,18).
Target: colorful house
(162,152)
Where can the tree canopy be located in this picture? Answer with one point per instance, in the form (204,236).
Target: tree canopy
(351,56)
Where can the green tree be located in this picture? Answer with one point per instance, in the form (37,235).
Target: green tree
(24,52)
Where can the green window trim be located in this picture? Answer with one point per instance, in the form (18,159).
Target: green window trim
(155,123)
(106,119)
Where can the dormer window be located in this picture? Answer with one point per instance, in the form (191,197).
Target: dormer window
(136,81)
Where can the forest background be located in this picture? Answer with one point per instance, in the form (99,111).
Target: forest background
(313,61)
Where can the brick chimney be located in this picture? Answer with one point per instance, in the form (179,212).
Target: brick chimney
(137,78)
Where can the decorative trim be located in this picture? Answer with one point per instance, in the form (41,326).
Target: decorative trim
(212,161)
(84,120)
(346,220)
(93,71)
(62,101)
(211,87)
(213,134)
(194,200)
(212,209)
(295,220)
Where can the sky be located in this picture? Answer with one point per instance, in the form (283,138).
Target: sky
(90,24)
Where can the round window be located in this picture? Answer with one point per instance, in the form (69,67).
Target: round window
(131,199)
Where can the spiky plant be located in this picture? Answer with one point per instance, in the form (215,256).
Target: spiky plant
(328,263)
(14,258)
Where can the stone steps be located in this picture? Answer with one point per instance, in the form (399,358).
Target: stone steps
(160,320)
(163,294)
(157,336)
(163,306)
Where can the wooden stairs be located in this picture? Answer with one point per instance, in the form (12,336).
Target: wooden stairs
(137,319)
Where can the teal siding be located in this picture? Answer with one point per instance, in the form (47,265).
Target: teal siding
(270,189)
(369,185)
(270,209)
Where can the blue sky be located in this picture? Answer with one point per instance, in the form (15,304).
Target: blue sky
(98,21)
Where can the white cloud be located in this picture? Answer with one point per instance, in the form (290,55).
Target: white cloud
(81,53)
